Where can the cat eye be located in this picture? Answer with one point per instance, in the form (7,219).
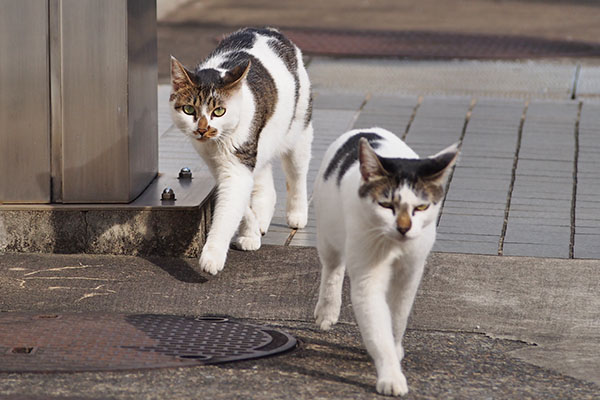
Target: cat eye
(189,110)
(422,207)
(218,112)
(386,204)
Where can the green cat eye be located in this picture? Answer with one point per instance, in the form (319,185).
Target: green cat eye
(422,207)
(218,112)
(189,110)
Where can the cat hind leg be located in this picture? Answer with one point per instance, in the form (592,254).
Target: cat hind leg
(264,198)
(249,232)
(295,165)
(328,306)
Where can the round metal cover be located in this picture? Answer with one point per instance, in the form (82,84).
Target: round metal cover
(96,342)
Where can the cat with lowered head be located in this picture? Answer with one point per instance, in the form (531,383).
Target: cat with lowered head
(377,205)
(247,103)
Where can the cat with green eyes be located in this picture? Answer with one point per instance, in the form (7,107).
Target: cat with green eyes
(247,103)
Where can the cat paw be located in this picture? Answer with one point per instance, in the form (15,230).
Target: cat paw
(325,319)
(211,260)
(297,219)
(247,243)
(392,384)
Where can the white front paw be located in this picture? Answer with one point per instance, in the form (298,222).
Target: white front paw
(212,260)
(247,243)
(326,316)
(297,219)
(393,384)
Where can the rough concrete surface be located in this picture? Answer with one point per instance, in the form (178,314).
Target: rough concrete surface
(482,326)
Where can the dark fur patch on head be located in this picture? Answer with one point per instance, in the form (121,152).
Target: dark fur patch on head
(347,154)
(424,176)
(379,188)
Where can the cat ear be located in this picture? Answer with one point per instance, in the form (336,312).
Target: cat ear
(236,75)
(438,167)
(370,166)
(180,76)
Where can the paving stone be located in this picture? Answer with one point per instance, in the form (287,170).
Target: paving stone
(588,84)
(496,183)
(562,217)
(477,209)
(474,195)
(593,229)
(586,246)
(331,100)
(460,246)
(479,172)
(540,250)
(528,234)
(543,220)
(558,192)
(472,224)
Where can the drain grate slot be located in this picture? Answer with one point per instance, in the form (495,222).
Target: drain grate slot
(22,350)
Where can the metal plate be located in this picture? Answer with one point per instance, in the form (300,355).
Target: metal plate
(97,342)
(431,44)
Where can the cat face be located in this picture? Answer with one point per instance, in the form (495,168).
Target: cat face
(403,195)
(206,104)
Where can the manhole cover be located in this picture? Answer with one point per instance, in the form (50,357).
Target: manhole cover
(96,342)
(429,44)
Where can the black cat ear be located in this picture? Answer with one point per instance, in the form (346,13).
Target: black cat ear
(236,75)
(180,76)
(438,166)
(370,166)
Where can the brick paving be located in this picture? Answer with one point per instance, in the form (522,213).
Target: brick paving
(525,184)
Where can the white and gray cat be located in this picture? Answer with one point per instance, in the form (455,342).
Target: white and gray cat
(248,102)
(377,204)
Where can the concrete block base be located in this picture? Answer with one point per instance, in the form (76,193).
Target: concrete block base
(155,231)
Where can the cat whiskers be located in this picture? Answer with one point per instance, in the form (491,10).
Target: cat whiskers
(377,232)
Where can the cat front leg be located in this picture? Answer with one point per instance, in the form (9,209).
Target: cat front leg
(233,198)
(368,287)
(328,306)
(401,296)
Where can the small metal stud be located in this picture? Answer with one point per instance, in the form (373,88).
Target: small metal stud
(185,173)
(168,194)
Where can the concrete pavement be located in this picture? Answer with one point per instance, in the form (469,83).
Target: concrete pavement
(482,326)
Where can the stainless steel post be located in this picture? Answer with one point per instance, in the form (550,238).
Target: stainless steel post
(24,102)
(78,112)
